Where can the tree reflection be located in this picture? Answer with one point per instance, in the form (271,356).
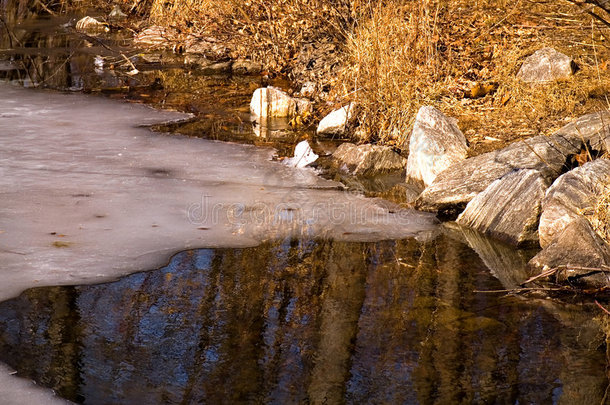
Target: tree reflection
(306,321)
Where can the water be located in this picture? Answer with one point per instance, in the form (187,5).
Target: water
(307,321)
(303,293)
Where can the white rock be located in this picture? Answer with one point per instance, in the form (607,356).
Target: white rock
(303,155)
(436,143)
(91,24)
(336,122)
(273,102)
(546,65)
(308,89)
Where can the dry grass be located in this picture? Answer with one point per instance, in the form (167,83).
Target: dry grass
(440,52)
(393,56)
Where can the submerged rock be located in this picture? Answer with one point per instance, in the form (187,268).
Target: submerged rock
(337,121)
(507,264)
(303,155)
(91,24)
(570,195)
(509,208)
(546,65)
(273,102)
(436,143)
(367,159)
(246,67)
(455,187)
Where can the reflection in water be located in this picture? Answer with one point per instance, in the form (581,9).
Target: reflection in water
(301,321)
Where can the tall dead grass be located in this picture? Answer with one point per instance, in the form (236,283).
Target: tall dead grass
(394,65)
(393,56)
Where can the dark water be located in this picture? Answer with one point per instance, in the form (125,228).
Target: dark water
(307,321)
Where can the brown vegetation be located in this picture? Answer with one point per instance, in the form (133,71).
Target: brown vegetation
(394,56)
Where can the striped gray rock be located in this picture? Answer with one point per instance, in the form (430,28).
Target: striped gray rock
(570,195)
(576,246)
(455,187)
(509,208)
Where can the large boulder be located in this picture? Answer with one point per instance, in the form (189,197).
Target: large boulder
(269,102)
(509,208)
(546,65)
(579,249)
(367,159)
(435,144)
(336,122)
(455,187)
(570,195)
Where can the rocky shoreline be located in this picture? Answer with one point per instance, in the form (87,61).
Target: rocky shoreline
(532,193)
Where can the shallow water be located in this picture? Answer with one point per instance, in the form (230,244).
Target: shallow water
(304,294)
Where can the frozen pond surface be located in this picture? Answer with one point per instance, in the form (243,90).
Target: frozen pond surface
(87,195)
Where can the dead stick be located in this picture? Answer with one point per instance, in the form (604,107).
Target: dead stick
(601,306)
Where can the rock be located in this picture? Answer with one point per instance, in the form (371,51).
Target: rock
(273,102)
(455,187)
(216,68)
(303,155)
(308,89)
(210,47)
(509,208)
(592,129)
(436,143)
(336,122)
(156,37)
(570,195)
(117,14)
(246,67)
(546,65)
(367,159)
(206,66)
(91,24)
(576,246)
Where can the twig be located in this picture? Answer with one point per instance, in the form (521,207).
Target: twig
(518,290)
(601,306)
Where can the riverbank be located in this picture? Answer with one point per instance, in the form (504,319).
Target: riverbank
(392,58)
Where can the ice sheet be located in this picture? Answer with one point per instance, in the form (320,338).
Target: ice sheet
(87,195)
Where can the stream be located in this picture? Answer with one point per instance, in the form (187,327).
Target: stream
(189,266)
